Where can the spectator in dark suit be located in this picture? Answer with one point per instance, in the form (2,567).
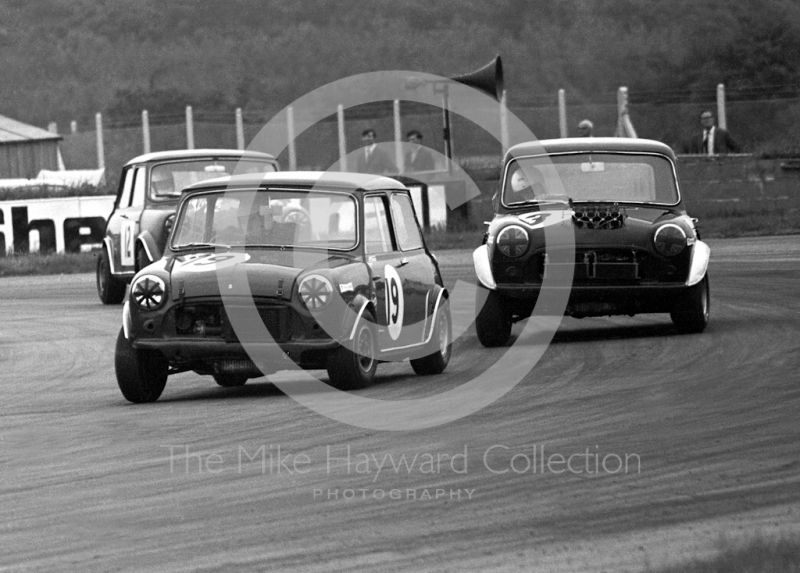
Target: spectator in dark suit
(712,140)
(419,158)
(371,159)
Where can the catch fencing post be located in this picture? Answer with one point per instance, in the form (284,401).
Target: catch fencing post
(562,113)
(290,132)
(145,131)
(624,124)
(504,139)
(342,138)
(398,137)
(101,156)
(239,129)
(722,120)
(189,128)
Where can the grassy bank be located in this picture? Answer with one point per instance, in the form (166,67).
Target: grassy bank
(760,555)
(50,264)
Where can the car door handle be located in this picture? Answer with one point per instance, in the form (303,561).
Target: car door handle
(403,262)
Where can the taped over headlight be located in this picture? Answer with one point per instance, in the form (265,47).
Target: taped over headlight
(670,240)
(513,241)
(315,291)
(148,292)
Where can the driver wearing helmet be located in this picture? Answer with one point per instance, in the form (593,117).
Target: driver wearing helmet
(161,182)
(523,190)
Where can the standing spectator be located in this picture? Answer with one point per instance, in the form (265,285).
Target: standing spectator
(371,159)
(419,158)
(712,141)
(585,128)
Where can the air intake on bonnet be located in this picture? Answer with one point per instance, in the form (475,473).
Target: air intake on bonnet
(599,218)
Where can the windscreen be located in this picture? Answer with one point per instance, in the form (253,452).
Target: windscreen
(587,177)
(267,218)
(167,180)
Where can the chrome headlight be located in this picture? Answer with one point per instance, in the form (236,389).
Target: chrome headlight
(149,292)
(670,240)
(315,291)
(513,241)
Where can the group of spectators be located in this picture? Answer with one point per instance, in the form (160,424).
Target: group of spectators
(710,140)
(372,159)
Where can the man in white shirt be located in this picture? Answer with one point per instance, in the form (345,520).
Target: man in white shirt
(713,140)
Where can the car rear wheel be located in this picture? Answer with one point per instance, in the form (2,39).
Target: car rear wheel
(141,374)
(441,339)
(348,370)
(691,314)
(493,323)
(230,380)
(110,290)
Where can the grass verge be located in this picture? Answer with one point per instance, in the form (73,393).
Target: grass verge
(49,264)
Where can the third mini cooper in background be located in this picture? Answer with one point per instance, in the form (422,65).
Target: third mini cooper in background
(329,271)
(636,249)
(148,194)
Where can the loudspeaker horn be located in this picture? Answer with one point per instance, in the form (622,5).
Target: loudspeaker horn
(488,79)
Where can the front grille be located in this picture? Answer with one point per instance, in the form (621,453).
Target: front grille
(599,218)
(211,320)
(601,265)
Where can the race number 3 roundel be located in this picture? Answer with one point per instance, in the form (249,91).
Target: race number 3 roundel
(394,302)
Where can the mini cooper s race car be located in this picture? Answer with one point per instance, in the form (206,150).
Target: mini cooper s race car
(329,271)
(144,211)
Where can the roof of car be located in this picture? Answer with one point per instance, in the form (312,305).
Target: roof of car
(197,153)
(337,179)
(577,144)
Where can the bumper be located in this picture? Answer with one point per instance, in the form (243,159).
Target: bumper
(178,350)
(601,300)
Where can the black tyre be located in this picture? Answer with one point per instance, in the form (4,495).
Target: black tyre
(230,380)
(441,342)
(692,312)
(141,374)
(349,370)
(493,323)
(142,260)
(110,290)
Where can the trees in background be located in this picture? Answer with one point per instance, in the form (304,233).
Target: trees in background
(67,59)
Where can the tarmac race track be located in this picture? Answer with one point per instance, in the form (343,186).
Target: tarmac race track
(681,441)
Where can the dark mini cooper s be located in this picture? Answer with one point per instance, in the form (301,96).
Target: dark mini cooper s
(635,248)
(144,211)
(324,271)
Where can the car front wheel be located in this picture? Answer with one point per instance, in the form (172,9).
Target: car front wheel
(441,339)
(493,323)
(348,370)
(141,374)
(692,312)
(110,290)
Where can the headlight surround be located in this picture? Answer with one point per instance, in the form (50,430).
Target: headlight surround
(148,292)
(670,240)
(315,291)
(513,241)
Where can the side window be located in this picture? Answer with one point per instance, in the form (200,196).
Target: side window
(405,223)
(377,236)
(138,188)
(127,186)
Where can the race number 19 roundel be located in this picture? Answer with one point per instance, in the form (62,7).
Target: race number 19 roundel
(394,302)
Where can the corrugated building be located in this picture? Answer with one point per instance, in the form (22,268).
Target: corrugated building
(25,149)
